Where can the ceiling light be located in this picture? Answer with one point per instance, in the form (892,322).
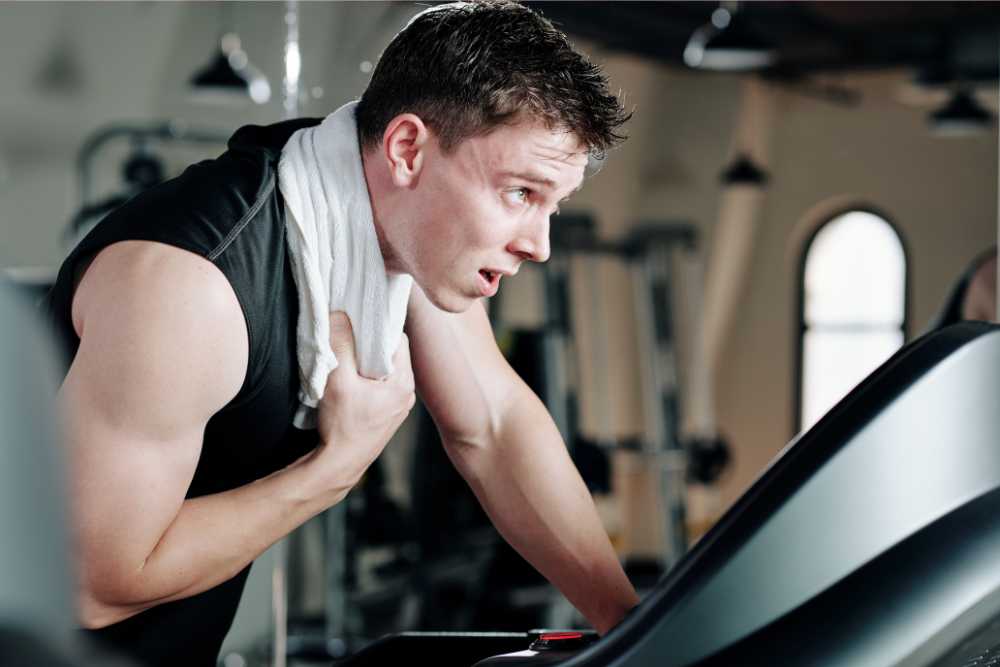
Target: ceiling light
(229,78)
(743,171)
(962,116)
(725,44)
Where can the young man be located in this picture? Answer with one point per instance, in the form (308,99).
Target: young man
(179,313)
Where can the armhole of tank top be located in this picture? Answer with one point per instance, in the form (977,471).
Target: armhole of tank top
(262,196)
(247,390)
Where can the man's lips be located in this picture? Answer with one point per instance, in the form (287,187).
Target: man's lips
(502,272)
(489,282)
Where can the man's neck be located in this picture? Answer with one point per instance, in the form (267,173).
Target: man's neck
(374,183)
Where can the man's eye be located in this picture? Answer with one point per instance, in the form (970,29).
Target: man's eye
(517,195)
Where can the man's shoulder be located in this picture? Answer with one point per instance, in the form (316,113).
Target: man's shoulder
(268,139)
(162,338)
(156,280)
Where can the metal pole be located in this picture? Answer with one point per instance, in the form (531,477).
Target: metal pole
(279,575)
(293,60)
(336,572)
(556,272)
(599,350)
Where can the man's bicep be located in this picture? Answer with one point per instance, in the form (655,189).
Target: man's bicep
(151,368)
(127,482)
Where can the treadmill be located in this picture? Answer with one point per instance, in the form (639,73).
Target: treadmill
(872,539)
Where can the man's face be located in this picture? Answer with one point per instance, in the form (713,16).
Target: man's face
(481,210)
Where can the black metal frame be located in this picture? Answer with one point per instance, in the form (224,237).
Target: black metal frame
(800,324)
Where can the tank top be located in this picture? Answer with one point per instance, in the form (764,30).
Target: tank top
(228,210)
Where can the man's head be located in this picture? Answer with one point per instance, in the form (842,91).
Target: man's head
(465,68)
(478,121)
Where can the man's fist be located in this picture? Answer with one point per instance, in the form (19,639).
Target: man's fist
(357,416)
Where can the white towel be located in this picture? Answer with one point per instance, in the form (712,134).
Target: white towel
(336,260)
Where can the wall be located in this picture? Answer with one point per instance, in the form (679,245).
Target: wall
(941,193)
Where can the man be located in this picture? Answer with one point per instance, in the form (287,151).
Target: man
(179,314)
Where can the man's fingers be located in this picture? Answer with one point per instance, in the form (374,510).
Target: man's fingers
(342,338)
(402,354)
(402,365)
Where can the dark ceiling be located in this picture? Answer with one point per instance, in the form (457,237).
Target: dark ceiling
(945,39)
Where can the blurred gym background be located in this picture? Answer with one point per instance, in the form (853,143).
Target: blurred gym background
(803,185)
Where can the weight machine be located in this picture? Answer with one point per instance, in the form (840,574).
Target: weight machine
(665,272)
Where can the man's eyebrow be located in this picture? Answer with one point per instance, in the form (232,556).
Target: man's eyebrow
(540,180)
(531,178)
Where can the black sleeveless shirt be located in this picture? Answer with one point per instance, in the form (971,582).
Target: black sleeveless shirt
(229,211)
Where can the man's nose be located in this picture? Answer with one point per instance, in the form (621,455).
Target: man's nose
(533,241)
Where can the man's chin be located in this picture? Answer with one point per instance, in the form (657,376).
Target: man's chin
(451,302)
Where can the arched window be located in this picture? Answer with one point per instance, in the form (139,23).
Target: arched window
(852,308)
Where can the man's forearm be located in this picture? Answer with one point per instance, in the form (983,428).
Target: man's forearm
(212,539)
(534,495)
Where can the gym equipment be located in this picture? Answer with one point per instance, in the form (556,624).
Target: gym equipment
(871,540)
(655,253)
(141,170)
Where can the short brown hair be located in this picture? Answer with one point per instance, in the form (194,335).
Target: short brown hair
(465,68)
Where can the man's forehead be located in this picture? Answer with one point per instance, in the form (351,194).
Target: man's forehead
(551,143)
(548,156)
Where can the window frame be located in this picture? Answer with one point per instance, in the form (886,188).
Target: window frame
(801,326)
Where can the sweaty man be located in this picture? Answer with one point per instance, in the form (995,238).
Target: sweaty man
(178,316)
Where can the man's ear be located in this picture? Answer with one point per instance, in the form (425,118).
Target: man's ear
(404,144)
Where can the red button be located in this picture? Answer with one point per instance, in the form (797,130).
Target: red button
(556,636)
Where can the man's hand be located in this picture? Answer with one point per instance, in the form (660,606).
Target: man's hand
(357,416)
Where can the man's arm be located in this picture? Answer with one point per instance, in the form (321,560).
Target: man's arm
(163,347)
(504,443)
